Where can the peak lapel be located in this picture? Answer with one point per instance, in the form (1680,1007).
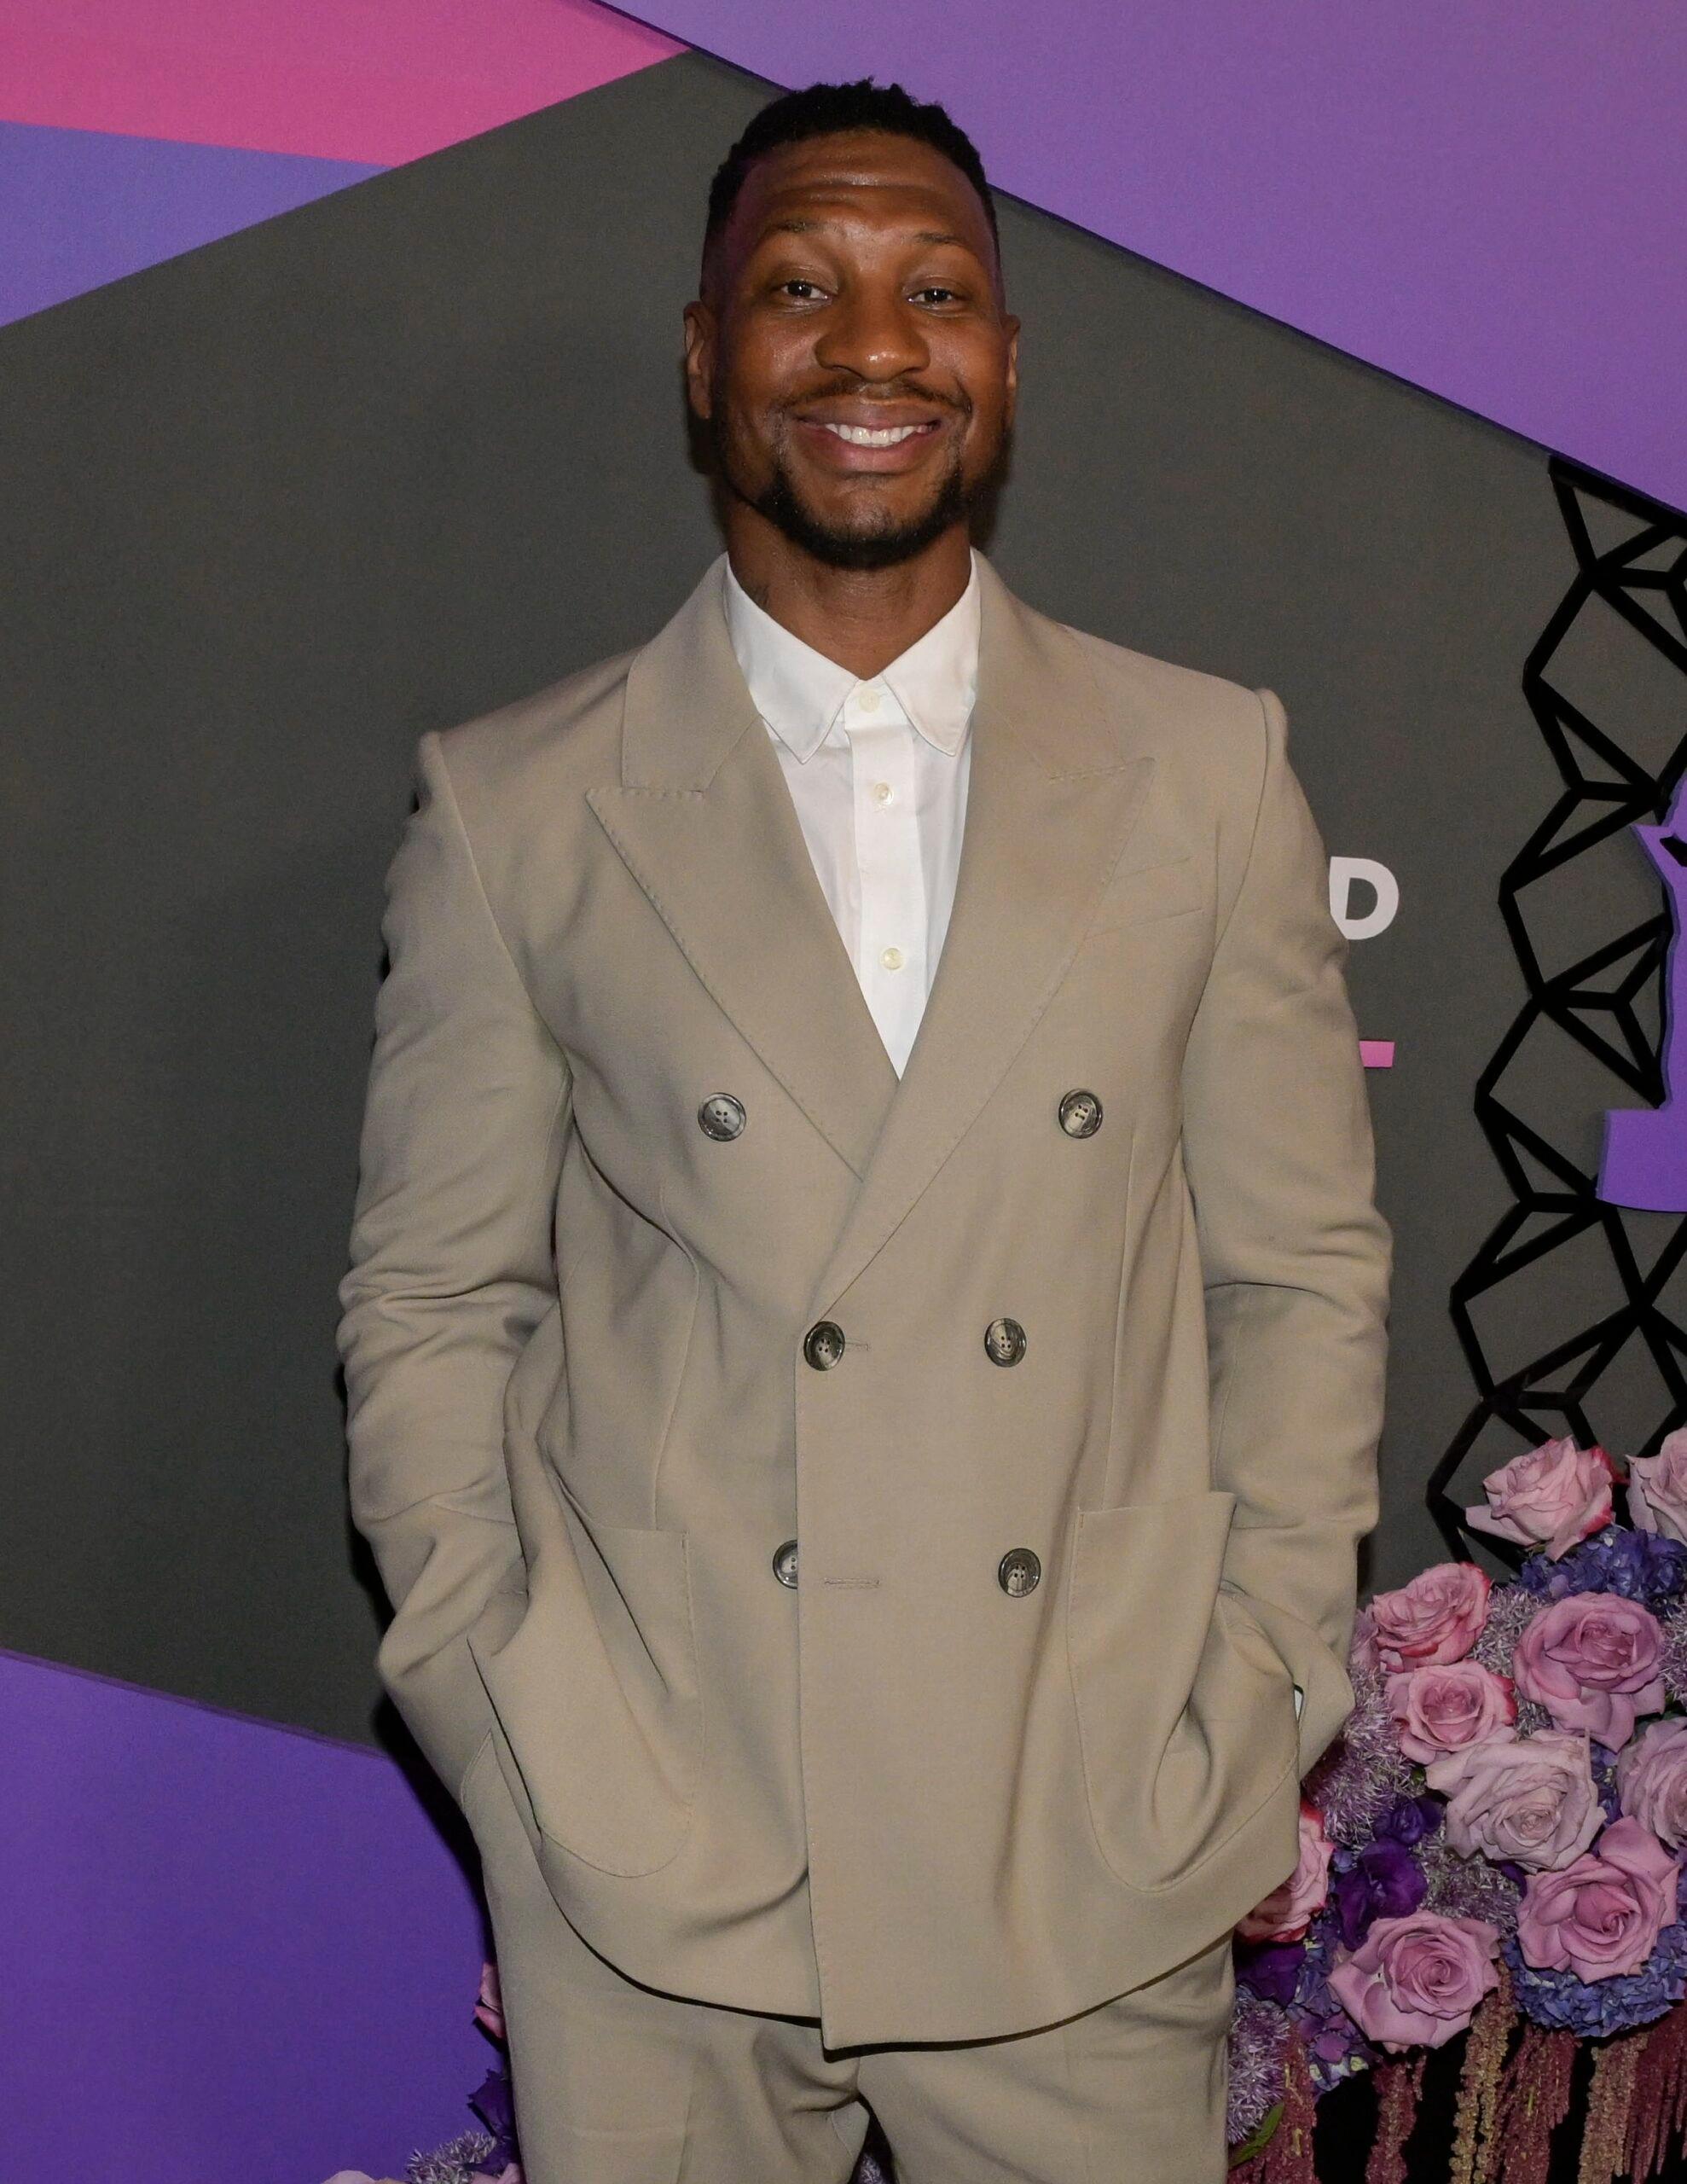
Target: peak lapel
(1055,788)
(703,819)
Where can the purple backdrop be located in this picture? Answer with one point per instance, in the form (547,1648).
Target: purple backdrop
(1486,201)
(78,208)
(233,1951)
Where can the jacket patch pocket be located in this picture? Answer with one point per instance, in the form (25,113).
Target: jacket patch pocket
(1186,1709)
(596,1691)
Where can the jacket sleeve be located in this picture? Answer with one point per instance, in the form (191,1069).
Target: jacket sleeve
(468,1102)
(1295,1258)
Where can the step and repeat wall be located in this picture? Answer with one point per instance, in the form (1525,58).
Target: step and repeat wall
(340,400)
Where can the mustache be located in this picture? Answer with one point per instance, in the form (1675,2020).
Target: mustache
(901,390)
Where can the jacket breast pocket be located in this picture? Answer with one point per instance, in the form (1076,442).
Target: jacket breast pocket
(1186,1709)
(1166,888)
(596,1691)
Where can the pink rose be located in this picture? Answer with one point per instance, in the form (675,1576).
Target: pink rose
(1531,1799)
(1554,1496)
(1657,1488)
(1286,1913)
(1415,1981)
(1437,1617)
(1591,1661)
(1447,1705)
(1652,1780)
(489,2008)
(1603,1915)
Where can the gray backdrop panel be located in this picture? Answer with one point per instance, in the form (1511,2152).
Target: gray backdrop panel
(275,508)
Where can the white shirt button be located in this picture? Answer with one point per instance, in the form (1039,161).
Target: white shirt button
(882,792)
(869,698)
(892,959)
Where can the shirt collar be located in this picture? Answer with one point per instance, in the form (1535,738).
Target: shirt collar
(799,692)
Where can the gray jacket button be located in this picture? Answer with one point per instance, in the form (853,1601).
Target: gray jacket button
(784,1563)
(823,1344)
(1081,1114)
(720,1115)
(1018,1572)
(1005,1342)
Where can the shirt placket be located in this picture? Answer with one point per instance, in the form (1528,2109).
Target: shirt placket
(892,945)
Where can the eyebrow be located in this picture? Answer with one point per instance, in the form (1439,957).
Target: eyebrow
(799,227)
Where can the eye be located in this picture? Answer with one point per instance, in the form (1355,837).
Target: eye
(936,289)
(798,281)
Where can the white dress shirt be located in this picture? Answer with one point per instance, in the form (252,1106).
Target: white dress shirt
(877,771)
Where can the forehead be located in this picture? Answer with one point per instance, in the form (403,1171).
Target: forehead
(860,181)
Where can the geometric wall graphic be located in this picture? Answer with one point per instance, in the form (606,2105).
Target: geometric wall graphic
(1645,1157)
(1589,1040)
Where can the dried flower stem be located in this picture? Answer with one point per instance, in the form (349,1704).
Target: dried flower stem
(1605,2133)
(1474,2144)
(1400,2087)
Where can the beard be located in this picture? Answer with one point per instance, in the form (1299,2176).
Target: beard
(874,538)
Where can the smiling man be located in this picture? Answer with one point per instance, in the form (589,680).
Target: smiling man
(866,1330)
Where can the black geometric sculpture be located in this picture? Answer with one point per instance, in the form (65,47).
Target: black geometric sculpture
(1630,563)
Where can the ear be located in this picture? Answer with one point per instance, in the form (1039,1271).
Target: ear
(1012,325)
(699,336)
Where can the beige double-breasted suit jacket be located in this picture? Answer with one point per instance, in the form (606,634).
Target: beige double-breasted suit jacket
(1022,1733)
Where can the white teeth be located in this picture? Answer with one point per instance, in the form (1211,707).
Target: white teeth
(866,436)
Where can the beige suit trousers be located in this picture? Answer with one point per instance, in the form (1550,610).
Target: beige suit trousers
(617,2082)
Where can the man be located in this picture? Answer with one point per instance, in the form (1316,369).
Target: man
(866,1332)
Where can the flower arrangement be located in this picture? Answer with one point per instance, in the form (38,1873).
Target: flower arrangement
(1493,1845)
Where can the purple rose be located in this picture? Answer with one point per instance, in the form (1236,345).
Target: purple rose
(1592,1661)
(1437,1616)
(1417,1981)
(1602,1916)
(1549,1498)
(1657,1488)
(1652,1780)
(1532,1800)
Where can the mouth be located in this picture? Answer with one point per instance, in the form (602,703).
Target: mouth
(852,443)
(879,435)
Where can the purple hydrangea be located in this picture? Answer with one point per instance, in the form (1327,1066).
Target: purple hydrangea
(1592,2008)
(1642,1566)
(1335,2046)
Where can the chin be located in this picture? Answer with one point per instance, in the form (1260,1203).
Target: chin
(851,536)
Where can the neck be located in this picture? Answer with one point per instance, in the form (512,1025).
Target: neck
(863,619)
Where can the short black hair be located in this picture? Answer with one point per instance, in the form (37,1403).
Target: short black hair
(830,110)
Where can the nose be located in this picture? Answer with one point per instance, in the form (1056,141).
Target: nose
(873,333)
